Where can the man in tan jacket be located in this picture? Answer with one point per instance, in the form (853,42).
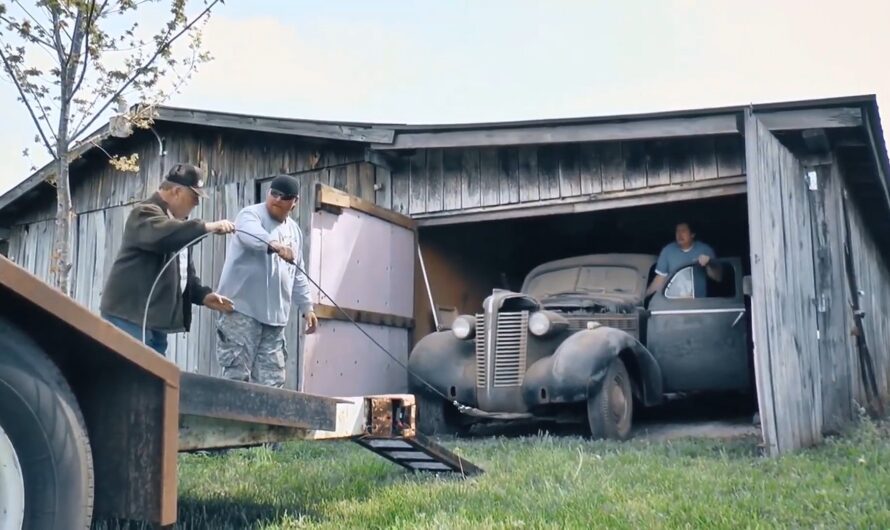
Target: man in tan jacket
(155,230)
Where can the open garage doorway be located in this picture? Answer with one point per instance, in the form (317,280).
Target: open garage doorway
(464,262)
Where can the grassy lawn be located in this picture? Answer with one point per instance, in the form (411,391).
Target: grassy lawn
(547,482)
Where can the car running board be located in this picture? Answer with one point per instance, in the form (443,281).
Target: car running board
(418,453)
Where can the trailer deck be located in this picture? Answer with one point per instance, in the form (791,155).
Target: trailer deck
(139,410)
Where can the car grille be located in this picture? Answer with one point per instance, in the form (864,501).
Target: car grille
(510,349)
(628,323)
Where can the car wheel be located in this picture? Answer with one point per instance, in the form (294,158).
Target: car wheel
(435,418)
(43,431)
(610,409)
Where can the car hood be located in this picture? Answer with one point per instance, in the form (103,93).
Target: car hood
(611,301)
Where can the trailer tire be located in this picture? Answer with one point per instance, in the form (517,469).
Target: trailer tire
(40,415)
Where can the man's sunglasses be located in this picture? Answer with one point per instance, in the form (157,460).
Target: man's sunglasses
(280,196)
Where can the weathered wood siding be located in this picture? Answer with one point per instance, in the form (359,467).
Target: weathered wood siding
(469,179)
(836,359)
(227,156)
(873,280)
(237,166)
(808,368)
(786,350)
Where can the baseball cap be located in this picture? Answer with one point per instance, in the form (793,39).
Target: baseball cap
(286,185)
(189,176)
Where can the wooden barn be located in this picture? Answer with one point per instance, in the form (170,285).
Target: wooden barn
(798,190)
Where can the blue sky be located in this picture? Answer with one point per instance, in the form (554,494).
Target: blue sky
(462,61)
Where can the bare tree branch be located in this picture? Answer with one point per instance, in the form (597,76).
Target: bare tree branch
(86,47)
(11,73)
(70,72)
(57,38)
(141,69)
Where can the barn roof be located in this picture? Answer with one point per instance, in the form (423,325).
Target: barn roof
(859,113)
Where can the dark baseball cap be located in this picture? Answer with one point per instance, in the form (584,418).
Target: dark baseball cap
(189,176)
(286,185)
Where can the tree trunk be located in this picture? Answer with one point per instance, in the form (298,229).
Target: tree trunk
(61,266)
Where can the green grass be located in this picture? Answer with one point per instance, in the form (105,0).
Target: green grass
(547,482)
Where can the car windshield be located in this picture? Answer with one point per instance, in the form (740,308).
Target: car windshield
(594,279)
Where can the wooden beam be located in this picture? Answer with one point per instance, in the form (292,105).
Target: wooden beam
(334,200)
(363,317)
(824,118)
(215,397)
(551,134)
(604,201)
(312,129)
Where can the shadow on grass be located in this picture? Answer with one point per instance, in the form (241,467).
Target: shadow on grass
(220,514)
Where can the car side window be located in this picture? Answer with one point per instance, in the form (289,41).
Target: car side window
(682,285)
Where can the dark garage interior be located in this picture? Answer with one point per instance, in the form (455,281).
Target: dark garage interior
(465,261)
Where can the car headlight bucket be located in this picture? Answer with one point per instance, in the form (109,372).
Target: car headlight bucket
(543,323)
(464,327)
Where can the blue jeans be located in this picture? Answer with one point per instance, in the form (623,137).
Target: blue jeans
(154,339)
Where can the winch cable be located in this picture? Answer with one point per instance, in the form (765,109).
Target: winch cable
(463,409)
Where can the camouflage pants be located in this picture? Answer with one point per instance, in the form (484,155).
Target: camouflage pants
(248,350)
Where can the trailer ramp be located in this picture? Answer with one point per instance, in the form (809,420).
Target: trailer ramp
(219,413)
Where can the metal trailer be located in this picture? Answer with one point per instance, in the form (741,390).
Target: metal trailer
(91,420)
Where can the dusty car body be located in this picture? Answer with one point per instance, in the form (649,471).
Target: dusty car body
(578,342)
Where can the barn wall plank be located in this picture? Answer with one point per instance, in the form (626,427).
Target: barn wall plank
(658,166)
(590,169)
(434,197)
(635,166)
(471,179)
(452,170)
(529,183)
(417,183)
(548,171)
(613,166)
(508,175)
(569,171)
(787,358)
(490,177)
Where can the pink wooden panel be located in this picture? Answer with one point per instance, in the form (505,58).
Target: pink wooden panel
(338,360)
(363,262)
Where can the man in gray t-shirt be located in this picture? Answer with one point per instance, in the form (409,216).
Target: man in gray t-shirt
(262,276)
(685,251)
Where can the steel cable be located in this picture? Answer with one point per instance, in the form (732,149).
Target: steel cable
(460,407)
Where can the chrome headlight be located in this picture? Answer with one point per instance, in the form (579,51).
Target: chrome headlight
(543,323)
(464,327)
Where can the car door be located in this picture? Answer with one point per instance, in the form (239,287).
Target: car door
(700,338)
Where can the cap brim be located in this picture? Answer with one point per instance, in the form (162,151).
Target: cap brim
(201,193)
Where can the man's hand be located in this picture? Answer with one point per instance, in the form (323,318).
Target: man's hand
(219,303)
(311,322)
(285,252)
(220,227)
(703,260)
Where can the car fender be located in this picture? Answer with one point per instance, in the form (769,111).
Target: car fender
(445,362)
(580,363)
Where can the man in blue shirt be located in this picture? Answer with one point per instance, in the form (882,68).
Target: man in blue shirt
(262,276)
(685,251)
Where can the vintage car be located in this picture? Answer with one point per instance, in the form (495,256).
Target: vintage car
(581,343)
